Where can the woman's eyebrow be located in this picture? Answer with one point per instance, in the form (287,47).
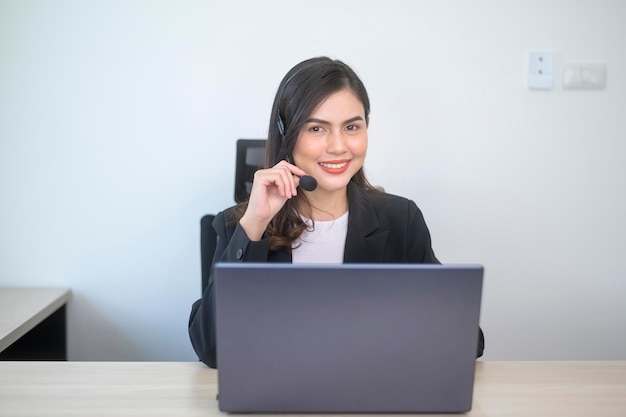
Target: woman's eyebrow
(325,122)
(354,119)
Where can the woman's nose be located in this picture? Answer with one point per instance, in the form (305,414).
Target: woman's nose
(336,142)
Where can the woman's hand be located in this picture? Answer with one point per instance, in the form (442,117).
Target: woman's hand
(271,189)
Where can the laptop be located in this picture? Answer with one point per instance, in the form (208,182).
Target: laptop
(346,338)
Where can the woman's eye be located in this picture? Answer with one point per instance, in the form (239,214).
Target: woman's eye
(316,129)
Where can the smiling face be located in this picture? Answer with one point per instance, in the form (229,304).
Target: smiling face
(332,143)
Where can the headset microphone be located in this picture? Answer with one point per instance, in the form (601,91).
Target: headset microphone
(308,183)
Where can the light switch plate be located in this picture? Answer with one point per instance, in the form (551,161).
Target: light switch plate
(584,75)
(541,70)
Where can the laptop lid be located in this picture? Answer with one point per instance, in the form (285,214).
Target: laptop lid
(347,338)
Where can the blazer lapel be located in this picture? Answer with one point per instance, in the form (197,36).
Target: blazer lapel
(365,241)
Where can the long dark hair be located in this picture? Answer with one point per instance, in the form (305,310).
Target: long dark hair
(300,92)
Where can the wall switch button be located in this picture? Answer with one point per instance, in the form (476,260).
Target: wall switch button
(584,75)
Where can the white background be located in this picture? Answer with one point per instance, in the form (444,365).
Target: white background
(118,123)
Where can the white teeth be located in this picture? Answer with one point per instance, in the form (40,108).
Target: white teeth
(333,166)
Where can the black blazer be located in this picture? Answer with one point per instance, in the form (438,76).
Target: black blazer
(382,228)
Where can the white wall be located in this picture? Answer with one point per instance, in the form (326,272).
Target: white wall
(118,122)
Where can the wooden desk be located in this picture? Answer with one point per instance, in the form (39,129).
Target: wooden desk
(503,389)
(33,323)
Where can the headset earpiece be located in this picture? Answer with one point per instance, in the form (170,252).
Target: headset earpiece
(281,126)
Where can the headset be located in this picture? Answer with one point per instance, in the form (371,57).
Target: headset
(307,182)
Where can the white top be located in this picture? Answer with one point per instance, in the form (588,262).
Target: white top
(323,242)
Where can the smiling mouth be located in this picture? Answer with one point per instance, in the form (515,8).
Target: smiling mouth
(334,166)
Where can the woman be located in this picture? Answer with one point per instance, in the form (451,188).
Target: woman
(318,128)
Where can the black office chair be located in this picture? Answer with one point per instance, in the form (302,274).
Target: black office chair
(250,157)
